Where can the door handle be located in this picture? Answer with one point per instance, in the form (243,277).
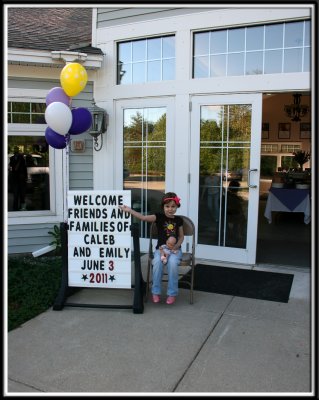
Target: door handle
(249,171)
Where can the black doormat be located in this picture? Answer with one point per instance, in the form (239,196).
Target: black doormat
(261,285)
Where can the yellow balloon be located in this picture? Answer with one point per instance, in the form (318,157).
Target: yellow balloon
(73,79)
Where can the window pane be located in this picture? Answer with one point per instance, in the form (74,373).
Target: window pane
(255,38)
(28,173)
(124,52)
(236,39)
(201,67)
(274,36)
(218,65)
(273,61)
(20,107)
(144,158)
(37,119)
(125,74)
(38,107)
(222,164)
(169,69)
(294,34)
(293,60)
(169,46)
(138,72)
(201,43)
(307,33)
(154,71)
(254,63)
(139,50)
(21,118)
(307,60)
(153,49)
(268,166)
(218,42)
(235,64)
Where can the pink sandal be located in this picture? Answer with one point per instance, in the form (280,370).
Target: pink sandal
(156,298)
(170,299)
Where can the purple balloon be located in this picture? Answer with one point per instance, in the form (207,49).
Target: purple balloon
(58,94)
(81,120)
(54,139)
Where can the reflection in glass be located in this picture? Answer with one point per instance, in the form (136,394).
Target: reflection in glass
(293,60)
(125,52)
(125,73)
(201,67)
(218,42)
(254,63)
(307,33)
(139,72)
(236,39)
(224,161)
(154,71)
(26,112)
(28,191)
(144,156)
(294,34)
(307,61)
(218,65)
(273,61)
(154,49)
(138,56)
(243,51)
(274,36)
(255,38)
(236,64)
(201,43)
(169,47)
(138,50)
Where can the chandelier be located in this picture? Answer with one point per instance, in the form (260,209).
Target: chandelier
(296,111)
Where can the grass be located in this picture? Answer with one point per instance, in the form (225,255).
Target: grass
(33,284)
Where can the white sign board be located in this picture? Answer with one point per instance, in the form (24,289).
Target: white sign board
(99,239)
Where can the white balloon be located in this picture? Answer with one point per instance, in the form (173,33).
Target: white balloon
(59,117)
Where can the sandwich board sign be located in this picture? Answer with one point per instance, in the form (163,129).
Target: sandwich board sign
(99,239)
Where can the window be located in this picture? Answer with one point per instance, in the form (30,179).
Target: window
(264,49)
(277,157)
(28,173)
(146,60)
(26,113)
(29,163)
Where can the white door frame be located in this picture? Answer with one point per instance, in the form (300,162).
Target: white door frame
(218,253)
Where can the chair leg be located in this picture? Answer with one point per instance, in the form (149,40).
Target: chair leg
(147,282)
(192,287)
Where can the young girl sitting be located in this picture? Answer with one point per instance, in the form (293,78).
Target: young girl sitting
(168,224)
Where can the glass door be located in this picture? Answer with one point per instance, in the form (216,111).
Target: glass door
(225,159)
(145,126)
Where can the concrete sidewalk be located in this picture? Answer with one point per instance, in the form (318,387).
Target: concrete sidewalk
(220,344)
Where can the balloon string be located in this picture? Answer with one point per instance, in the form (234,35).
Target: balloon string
(67,141)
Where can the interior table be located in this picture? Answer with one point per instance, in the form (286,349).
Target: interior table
(288,200)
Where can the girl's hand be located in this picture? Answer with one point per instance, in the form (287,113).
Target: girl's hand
(125,208)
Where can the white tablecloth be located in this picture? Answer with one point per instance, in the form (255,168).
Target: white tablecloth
(274,204)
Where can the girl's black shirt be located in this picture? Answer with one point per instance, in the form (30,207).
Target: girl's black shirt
(167,227)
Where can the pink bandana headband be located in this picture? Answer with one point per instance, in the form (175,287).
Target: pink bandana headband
(176,199)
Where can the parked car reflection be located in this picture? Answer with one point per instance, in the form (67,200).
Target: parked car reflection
(37,171)
(232,175)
